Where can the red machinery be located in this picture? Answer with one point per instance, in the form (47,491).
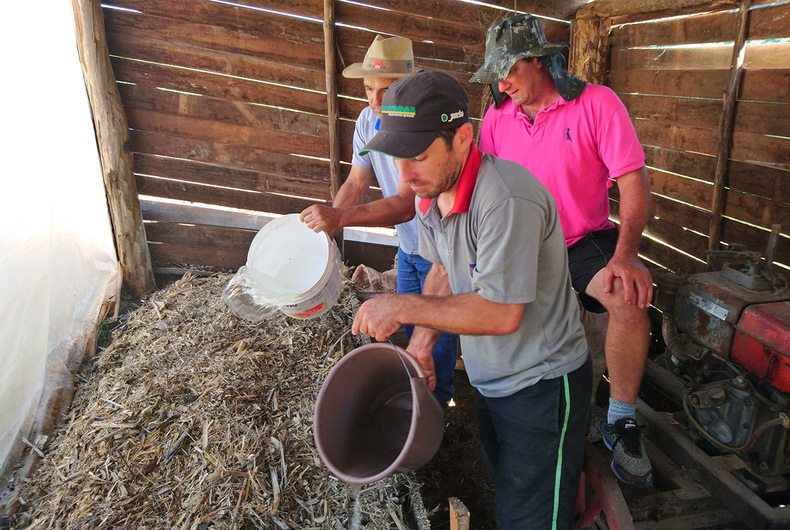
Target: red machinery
(728,346)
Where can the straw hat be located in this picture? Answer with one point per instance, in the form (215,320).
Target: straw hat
(386,57)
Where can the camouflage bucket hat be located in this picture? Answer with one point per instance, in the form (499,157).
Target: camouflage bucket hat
(521,37)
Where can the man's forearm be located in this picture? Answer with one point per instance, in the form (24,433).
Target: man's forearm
(465,314)
(634,210)
(388,211)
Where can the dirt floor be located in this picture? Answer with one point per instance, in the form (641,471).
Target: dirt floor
(457,470)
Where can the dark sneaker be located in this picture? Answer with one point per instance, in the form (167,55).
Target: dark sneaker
(629,458)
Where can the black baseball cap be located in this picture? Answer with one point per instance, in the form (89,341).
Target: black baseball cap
(415,109)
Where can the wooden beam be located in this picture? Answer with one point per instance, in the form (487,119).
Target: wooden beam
(726,129)
(333,116)
(616,8)
(112,138)
(589,53)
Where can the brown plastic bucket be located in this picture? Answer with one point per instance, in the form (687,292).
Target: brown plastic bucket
(375,415)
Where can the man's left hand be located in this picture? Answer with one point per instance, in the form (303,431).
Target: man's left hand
(637,282)
(376,317)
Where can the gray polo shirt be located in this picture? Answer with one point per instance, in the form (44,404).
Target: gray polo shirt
(502,239)
(386,171)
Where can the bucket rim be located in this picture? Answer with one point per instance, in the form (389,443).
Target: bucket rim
(286,219)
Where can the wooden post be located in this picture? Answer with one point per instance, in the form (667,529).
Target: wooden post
(333,115)
(112,137)
(459,515)
(589,53)
(725,130)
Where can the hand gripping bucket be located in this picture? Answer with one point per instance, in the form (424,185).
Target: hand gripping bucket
(375,415)
(289,268)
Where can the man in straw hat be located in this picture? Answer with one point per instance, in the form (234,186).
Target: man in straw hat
(499,280)
(386,60)
(577,139)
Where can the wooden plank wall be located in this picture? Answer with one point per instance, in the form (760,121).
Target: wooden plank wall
(227,108)
(674,93)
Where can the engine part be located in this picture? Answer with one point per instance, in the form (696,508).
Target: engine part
(762,343)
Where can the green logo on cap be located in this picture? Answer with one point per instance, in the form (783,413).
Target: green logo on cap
(399,110)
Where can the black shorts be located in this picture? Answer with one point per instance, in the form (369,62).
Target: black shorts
(585,258)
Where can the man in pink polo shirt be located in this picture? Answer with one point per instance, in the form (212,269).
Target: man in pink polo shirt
(577,139)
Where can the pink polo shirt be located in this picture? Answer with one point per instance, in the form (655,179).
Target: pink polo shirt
(575,148)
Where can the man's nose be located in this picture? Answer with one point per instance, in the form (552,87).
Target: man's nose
(376,99)
(502,86)
(403,169)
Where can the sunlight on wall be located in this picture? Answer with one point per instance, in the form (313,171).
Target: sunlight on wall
(57,258)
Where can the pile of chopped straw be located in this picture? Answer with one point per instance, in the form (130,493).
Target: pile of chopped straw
(193,419)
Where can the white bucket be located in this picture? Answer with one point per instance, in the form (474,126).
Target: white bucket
(293,268)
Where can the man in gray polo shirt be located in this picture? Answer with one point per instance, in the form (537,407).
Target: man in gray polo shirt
(499,279)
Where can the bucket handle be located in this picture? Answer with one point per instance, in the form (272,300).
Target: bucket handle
(416,401)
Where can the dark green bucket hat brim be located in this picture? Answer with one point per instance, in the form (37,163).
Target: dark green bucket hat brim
(497,65)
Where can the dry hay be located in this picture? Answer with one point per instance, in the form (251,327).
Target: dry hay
(193,419)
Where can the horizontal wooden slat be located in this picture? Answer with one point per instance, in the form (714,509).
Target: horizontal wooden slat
(416,28)
(766,85)
(704,28)
(148,98)
(693,192)
(770,21)
(229,134)
(242,15)
(760,180)
(762,118)
(680,111)
(259,40)
(768,56)
(668,231)
(692,165)
(756,210)
(217,85)
(683,137)
(669,258)
(483,12)
(187,213)
(228,64)
(707,58)
(680,214)
(229,156)
(761,149)
(757,85)
(171,243)
(699,83)
(379,257)
(190,171)
(754,148)
(234,198)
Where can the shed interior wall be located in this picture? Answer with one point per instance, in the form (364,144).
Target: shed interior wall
(228,112)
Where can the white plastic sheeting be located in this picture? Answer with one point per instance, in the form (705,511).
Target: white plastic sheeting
(57,259)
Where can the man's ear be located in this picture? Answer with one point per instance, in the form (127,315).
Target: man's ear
(464,135)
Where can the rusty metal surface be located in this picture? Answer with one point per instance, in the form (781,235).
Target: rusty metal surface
(762,343)
(709,306)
